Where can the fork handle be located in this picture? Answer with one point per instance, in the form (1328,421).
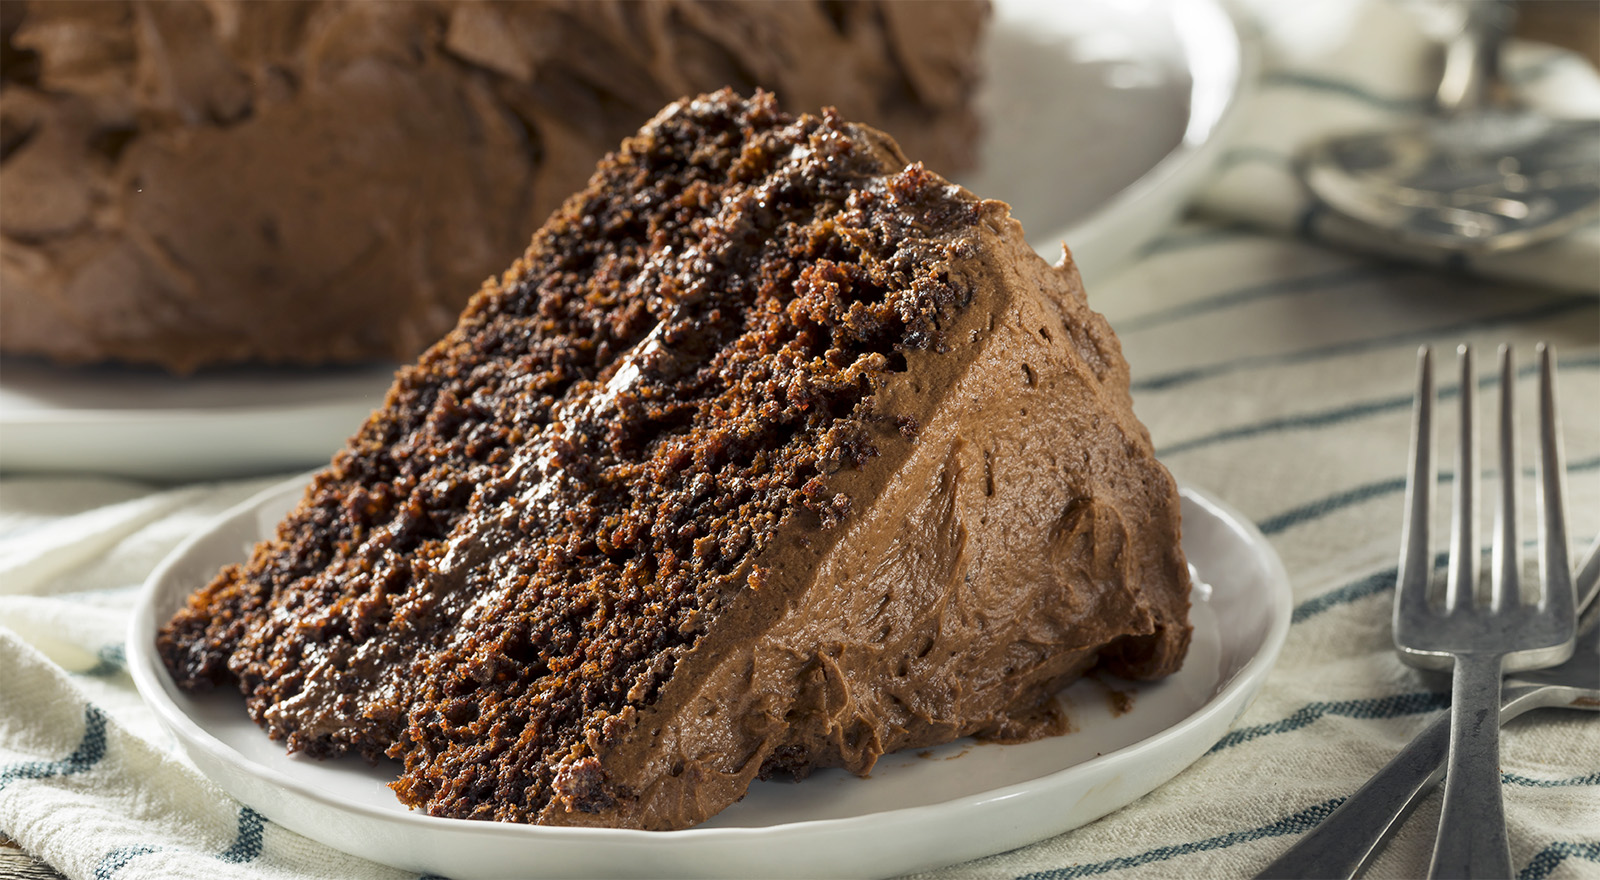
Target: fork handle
(1472,824)
(1343,844)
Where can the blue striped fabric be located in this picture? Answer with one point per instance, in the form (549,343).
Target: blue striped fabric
(1370,585)
(119,858)
(89,753)
(245,848)
(1297,823)
(109,660)
(1350,412)
(1553,855)
(1572,307)
(1235,297)
(1374,708)
(1588,779)
(1323,506)
(91,748)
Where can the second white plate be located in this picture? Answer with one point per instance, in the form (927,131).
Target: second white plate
(1102,117)
(916,811)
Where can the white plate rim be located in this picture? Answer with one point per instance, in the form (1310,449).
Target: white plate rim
(1233,79)
(1230,698)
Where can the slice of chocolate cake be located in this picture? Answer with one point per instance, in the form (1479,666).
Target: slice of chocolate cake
(774,452)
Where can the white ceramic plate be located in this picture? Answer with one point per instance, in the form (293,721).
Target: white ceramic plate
(916,811)
(1102,117)
(148,425)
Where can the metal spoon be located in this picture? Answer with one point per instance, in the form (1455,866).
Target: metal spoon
(1482,175)
(1343,845)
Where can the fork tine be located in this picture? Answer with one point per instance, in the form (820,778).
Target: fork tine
(1554,569)
(1507,550)
(1476,642)
(1464,546)
(1411,600)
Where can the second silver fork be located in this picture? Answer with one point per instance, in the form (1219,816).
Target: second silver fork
(1481,642)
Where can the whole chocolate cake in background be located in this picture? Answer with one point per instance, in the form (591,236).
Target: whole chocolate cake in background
(193,183)
(774,452)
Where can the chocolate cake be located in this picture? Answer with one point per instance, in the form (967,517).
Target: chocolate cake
(199,183)
(775,451)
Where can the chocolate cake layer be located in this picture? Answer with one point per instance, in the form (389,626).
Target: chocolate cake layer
(775,451)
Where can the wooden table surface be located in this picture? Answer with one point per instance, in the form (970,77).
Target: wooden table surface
(18,865)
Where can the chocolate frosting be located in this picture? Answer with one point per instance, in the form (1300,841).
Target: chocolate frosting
(1025,533)
(196,183)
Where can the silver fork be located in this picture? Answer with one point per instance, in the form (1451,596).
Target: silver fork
(1343,844)
(1481,641)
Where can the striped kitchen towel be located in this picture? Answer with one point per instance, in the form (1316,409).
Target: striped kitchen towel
(1335,67)
(1275,373)
(88,780)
